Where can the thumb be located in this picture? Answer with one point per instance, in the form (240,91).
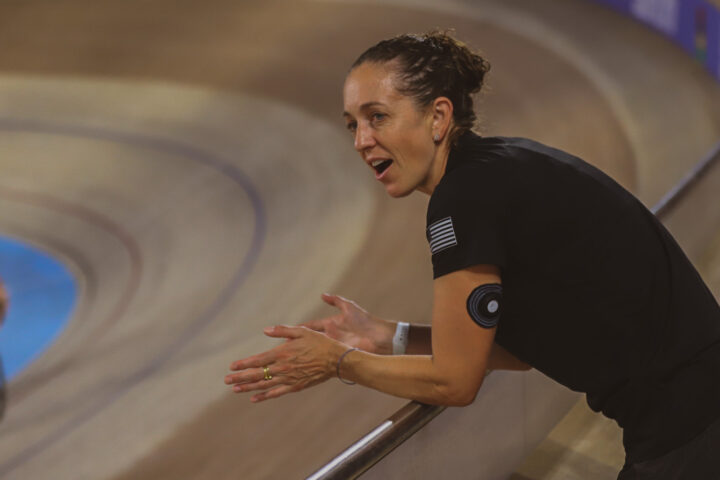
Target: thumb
(283,331)
(337,301)
(318,324)
(330,299)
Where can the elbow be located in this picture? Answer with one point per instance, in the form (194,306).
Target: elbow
(461,401)
(459,395)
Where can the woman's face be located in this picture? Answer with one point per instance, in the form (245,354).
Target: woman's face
(393,137)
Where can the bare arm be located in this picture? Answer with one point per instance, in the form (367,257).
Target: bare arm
(420,343)
(461,349)
(355,327)
(452,375)
(419,340)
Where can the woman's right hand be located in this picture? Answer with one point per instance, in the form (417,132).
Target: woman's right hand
(354,326)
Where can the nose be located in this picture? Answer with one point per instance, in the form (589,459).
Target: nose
(363,138)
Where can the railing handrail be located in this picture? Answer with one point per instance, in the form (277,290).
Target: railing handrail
(373,447)
(680,190)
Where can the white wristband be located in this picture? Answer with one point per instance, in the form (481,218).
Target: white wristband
(400,340)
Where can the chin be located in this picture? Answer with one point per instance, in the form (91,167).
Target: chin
(397,192)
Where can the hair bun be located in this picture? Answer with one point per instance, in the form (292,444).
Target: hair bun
(470,66)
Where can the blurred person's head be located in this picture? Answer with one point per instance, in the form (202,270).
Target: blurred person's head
(3,301)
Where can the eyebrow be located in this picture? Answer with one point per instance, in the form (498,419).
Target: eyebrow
(365,106)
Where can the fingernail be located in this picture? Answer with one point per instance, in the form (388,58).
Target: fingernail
(268,329)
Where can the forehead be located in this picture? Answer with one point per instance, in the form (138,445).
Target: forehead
(370,83)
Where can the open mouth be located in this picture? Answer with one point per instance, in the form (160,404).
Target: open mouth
(381,165)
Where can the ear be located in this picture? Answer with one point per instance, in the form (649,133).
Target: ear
(442,117)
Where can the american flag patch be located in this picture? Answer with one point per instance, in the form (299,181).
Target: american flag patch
(441,235)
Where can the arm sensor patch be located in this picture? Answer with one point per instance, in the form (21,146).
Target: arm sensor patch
(484,304)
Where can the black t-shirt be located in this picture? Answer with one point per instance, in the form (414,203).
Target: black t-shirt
(597,294)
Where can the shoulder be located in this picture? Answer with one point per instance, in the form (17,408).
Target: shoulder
(461,189)
(478,168)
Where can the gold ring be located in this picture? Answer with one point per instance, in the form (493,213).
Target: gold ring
(266,371)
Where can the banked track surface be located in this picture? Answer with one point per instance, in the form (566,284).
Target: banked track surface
(106,110)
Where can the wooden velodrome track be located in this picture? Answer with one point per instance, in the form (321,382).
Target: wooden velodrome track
(187,161)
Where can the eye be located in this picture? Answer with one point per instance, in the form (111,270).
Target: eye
(351,126)
(378,117)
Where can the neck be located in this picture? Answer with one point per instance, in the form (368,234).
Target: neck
(437,168)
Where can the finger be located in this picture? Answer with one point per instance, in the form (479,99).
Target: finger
(274,393)
(259,360)
(337,301)
(259,385)
(258,374)
(318,325)
(329,299)
(247,376)
(283,331)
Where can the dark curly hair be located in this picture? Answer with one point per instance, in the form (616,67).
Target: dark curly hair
(434,65)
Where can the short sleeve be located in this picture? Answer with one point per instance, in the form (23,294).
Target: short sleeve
(465,221)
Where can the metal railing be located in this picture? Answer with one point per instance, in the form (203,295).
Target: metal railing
(383,439)
(373,447)
(673,197)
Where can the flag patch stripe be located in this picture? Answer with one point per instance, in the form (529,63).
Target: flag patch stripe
(445,222)
(442,246)
(442,231)
(441,235)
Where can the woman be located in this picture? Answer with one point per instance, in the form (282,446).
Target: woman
(540,260)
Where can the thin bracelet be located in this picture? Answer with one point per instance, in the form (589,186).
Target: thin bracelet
(338,367)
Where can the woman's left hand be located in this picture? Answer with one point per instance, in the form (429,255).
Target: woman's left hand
(307,358)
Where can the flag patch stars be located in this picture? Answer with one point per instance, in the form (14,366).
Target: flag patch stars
(441,235)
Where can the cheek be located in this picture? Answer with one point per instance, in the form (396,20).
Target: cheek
(410,143)
(419,151)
